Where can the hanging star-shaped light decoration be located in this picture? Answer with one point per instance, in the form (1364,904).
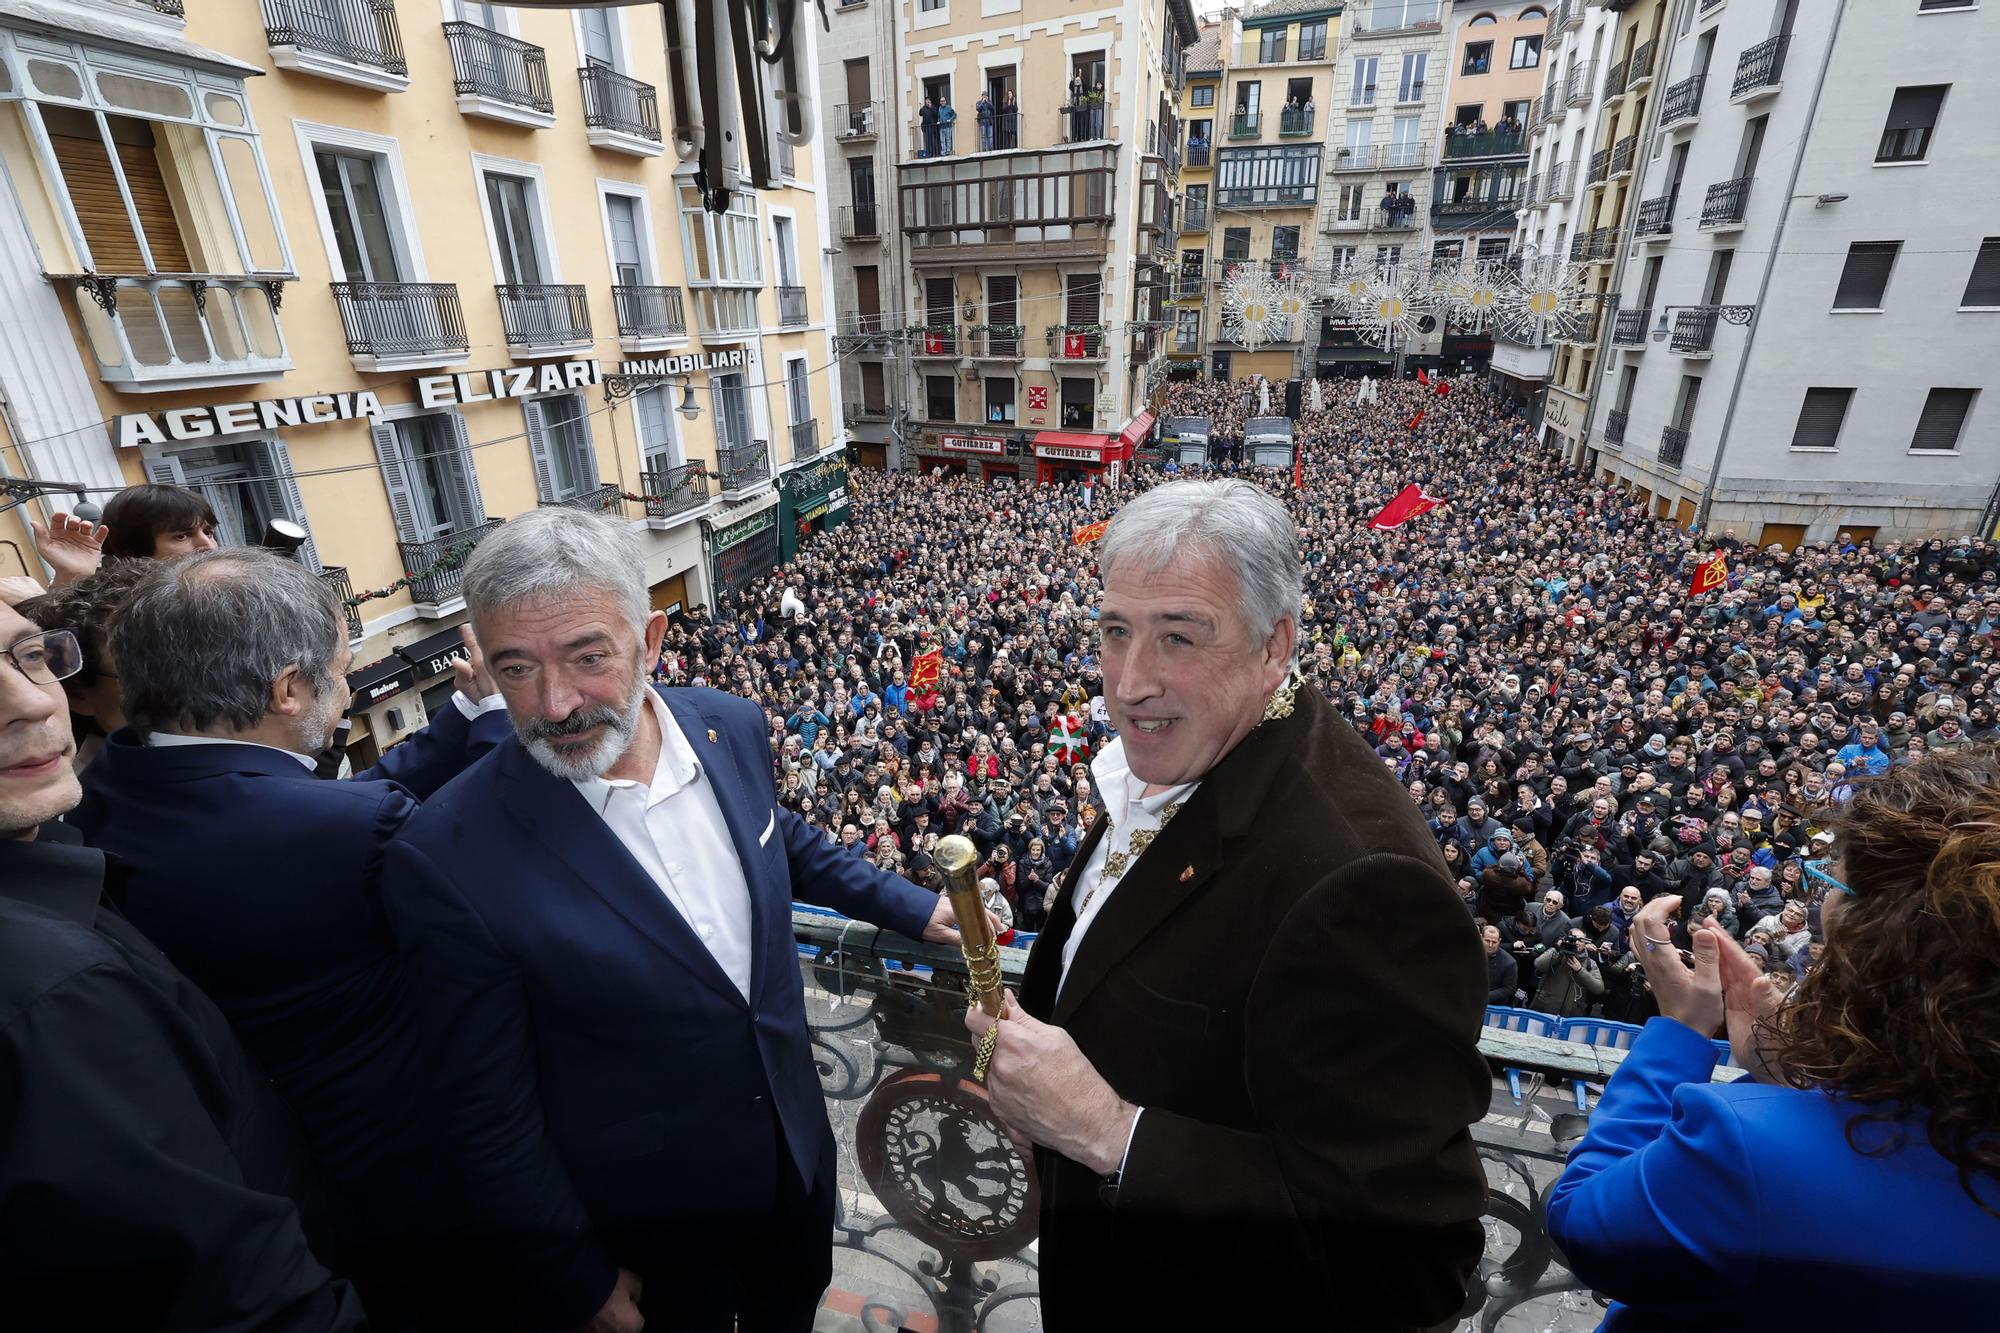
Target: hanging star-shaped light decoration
(1469,293)
(1292,297)
(1543,300)
(1249,309)
(1349,293)
(1395,300)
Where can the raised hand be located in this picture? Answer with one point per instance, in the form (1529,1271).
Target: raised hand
(72,546)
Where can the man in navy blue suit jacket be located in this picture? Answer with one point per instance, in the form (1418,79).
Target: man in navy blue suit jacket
(599,915)
(261,881)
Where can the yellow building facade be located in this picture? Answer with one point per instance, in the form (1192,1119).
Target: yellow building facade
(1277,101)
(396,272)
(1201,96)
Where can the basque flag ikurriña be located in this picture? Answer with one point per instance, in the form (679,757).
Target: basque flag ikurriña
(1066,740)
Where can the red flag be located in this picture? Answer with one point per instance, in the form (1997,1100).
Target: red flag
(1421,377)
(1089,532)
(1066,739)
(1409,502)
(1415,421)
(1710,574)
(1298,468)
(1074,346)
(933,345)
(1443,388)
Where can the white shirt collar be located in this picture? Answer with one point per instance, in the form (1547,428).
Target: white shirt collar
(676,768)
(1120,789)
(168,739)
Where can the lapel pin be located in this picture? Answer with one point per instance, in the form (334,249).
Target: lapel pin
(711,735)
(1187,874)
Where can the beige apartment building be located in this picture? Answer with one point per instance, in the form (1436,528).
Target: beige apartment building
(381,269)
(1037,263)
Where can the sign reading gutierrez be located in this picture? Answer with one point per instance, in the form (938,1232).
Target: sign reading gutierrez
(186,424)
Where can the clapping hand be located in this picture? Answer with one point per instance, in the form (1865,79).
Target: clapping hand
(1690,995)
(1750,1001)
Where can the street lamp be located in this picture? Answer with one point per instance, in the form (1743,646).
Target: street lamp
(689,407)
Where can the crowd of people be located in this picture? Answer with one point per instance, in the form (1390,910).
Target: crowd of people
(1580,732)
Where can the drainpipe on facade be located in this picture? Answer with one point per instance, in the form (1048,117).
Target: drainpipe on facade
(1764,283)
(1606,329)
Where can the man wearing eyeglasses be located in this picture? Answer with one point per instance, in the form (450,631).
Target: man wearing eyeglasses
(144,1163)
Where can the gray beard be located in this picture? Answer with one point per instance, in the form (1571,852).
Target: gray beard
(619,729)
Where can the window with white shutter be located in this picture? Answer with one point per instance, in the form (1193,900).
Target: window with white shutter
(1982,289)
(1943,420)
(1865,277)
(1820,417)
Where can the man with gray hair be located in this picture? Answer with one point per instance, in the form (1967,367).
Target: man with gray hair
(600,915)
(1247,1039)
(263,882)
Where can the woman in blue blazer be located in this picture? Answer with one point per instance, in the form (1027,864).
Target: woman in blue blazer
(1853,1180)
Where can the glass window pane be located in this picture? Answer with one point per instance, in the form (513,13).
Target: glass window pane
(253,207)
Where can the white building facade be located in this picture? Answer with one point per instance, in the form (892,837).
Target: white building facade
(1810,307)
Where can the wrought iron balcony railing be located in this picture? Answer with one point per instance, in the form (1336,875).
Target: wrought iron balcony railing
(934,340)
(1682,102)
(1656,216)
(805,439)
(1762,67)
(619,103)
(1622,154)
(1582,83)
(1694,330)
(544,314)
(605,499)
(1600,167)
(1379,157)
(1614,426)
(360,32)
(1630,331)
(1725,204)
(1640,68)
(996,342)
(1295,122)
(1673,446)
(1614,80)
(1561,182)
(649,312)
(490,64)
(436,586)
(1194,216)
(856,120)
(1076,342)
(674,490)
(391,320)
(792,307)
(860,222)
(336,580)
(743,466)
(1246,125)
(1197,152)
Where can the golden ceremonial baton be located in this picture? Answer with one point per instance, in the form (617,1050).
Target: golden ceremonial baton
(957,861)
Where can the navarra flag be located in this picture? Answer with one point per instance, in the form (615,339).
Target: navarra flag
(1415,421)
(1066,740)
(924,674)
(933,344)
(1075,346)
(1090,532)
(1409,502)
(1710,574)
(1421,377)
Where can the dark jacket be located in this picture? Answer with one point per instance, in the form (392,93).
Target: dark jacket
(1235,986)
(263,883)
(147,1171)
(1502,977)
(601,1077)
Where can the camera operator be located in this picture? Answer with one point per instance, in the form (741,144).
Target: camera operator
(1570,980)
(1581,875)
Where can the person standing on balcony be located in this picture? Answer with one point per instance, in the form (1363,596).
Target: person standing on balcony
(1225,1068)
(927,121)
(947,119)
(984,113)
(598,919)
(1010,122)
(1079,119)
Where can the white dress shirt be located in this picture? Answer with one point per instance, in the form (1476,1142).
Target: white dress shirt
(674,829)
(1130,812)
